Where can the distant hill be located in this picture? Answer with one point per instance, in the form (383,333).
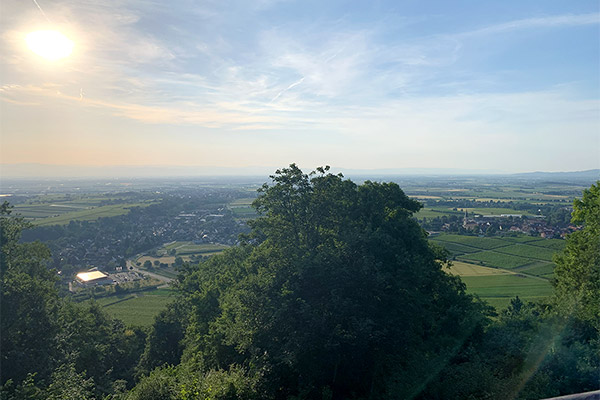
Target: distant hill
(590,174)
(33,170)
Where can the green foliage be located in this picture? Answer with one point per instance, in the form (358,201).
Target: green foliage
(49,345)
(28,301)
(539,351)
(67,384)
(183,383)
(336,291)
(163,344)
(577,274)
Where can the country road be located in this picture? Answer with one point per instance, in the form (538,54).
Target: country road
(132,267)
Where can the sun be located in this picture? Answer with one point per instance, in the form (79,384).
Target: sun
(51,45)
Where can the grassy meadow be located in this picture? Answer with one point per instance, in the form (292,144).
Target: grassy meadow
(137,309)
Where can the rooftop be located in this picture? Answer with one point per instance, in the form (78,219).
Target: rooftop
(91,276)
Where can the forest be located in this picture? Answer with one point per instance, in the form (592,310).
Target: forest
(335,293)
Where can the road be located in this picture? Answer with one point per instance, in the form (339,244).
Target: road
(132,267)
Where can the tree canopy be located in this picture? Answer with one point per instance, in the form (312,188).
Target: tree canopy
(51,348)
(335,291)
(577,274)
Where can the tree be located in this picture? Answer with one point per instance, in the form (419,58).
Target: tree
(336,292)
(51,341)
(577,272)
(28,302)
(148,264)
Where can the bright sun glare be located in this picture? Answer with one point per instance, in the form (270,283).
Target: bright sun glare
(51,45)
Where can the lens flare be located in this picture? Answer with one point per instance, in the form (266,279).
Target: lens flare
(51,45)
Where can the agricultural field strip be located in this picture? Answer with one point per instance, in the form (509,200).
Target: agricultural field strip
(527,251)
(521,269)
(518,269)
(463,242)
(494,259)
(89,214)
(456,248)
(507,286)
(514,271)
(508,243)
(139,310)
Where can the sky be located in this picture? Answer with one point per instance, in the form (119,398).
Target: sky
(507,86)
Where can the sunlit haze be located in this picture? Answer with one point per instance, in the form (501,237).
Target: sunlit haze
(51,45)
(488,86)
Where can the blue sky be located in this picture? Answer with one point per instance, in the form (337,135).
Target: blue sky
(507,86)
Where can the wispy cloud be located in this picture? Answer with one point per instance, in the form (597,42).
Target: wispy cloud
(293,85)
(213,67)
(537,22)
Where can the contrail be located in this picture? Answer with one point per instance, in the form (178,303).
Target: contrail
(286,89)
(42,11)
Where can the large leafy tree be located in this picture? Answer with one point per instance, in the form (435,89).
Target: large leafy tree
(28,301)
(577,272)
(337,294)
(49,344)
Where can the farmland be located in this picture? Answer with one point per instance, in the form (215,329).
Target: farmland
(189,248)
(432,212)
(495,259)
(242,208)
(139,309)
(497,290)
(90,214)
(523,252)
(61,209)
(497,269)
(528,251)
(480,243)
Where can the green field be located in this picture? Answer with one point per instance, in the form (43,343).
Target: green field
(530,255)
(242,208)
(495,211)
(495,259)
(34,211)
(189,248)
(465,269)
(556,244)
(246,201)
(497,286)
(498,269)
(432,212)
(523,239)
(91,214)
(482,243)
(538,268)
(455,248)
(528,251)
(138,309)
(499,289)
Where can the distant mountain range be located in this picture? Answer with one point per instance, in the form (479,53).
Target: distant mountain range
(32,170)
